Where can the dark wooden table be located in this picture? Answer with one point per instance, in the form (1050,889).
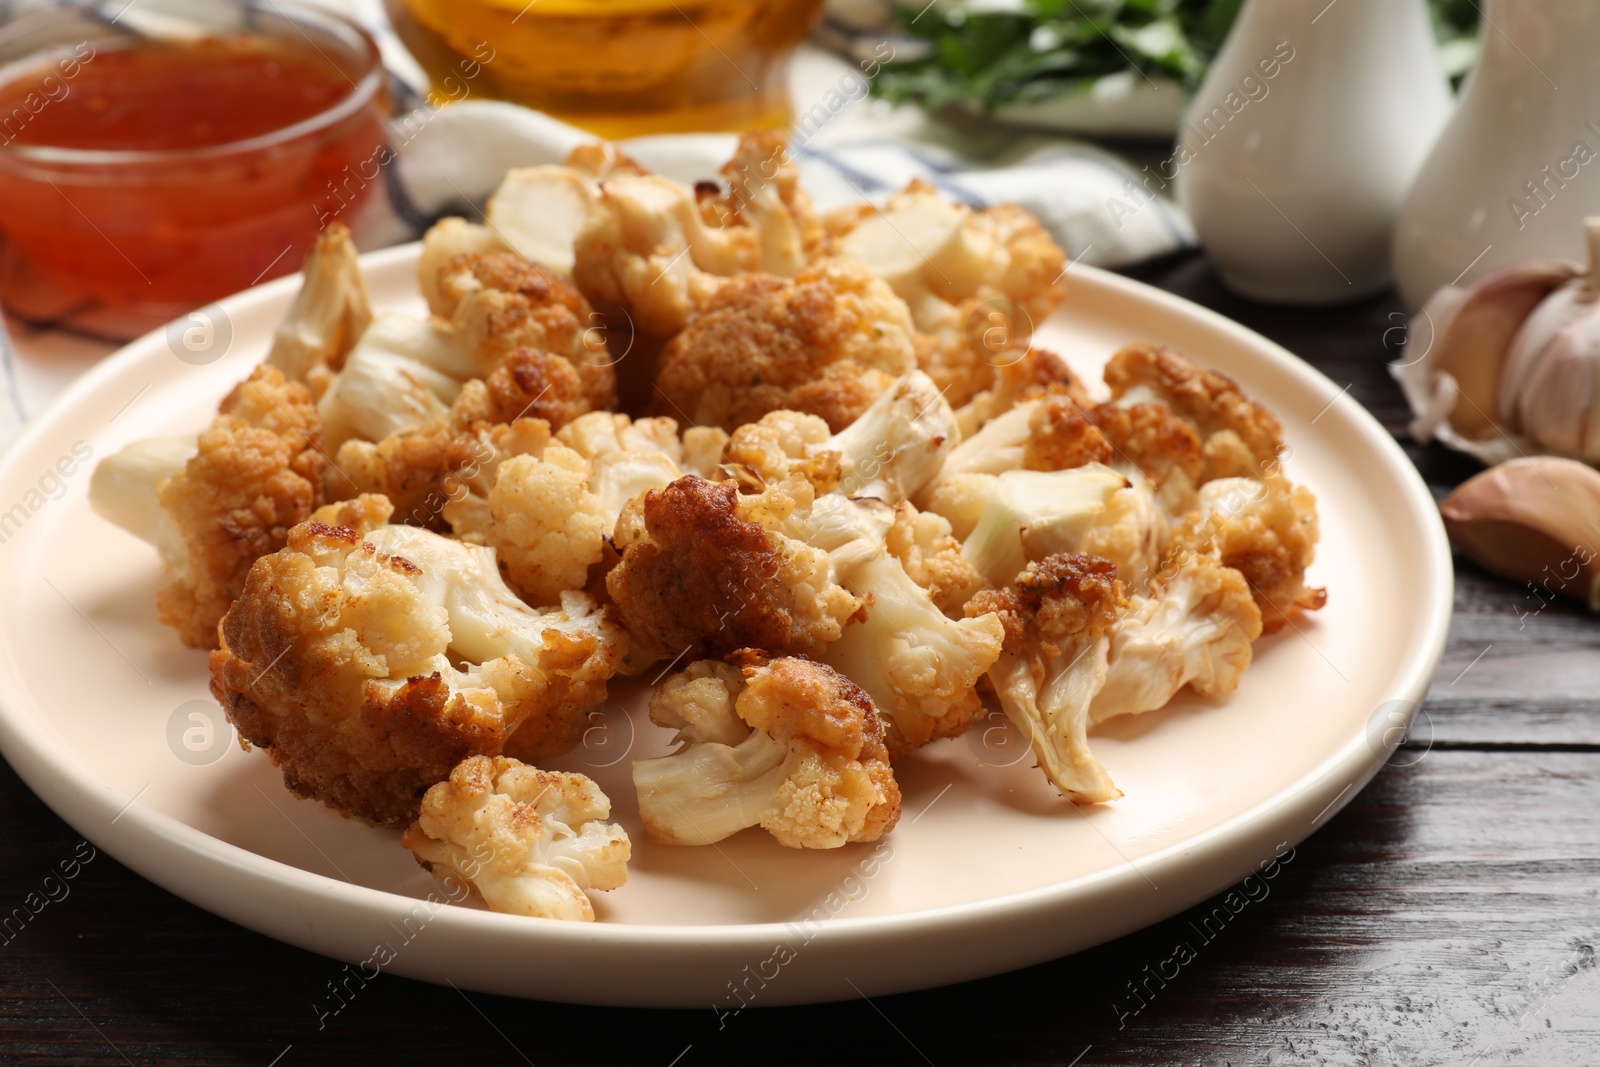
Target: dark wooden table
(1449,915)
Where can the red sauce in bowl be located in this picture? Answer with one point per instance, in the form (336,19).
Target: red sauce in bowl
(155,174)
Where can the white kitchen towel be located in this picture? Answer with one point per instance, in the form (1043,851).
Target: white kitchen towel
(851,149)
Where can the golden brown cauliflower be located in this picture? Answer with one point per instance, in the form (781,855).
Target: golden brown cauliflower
(424,470)
(1194,629)
(648,249)
(257,473)
(1152,439)
(978,282)
(891,451)
(1057,615)
(370,664)
(713,574)
(790,745)
(530,842)
(500,303)
(919,666)
(923,543)
(826,343)
(1266,530)
(1028,376)
(550,514)
(763,191)
(1239,437)
(330,312)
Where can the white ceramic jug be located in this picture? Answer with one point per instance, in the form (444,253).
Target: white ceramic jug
(1302,141)
(1517,169)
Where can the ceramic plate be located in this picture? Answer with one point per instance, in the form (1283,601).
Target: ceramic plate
(110,722)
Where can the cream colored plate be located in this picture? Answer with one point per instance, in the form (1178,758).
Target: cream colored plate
(987,870)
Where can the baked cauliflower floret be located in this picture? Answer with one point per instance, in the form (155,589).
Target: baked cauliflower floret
(1028,375)
(539,211)
(444,241)
(919,666)
(1195,628)
(444,461)
(214,506)
(1239,437)
(330,312)
(369,666)
(1047,433)
(1087,510)
(402,373)
(549,514)
(1151,439)
(764,192)
(546,525)
(527,383)
(1266,530)
(715,573)
(790,745)
(1057,615)
(932,557)
(826,342)
(503,303)
(978,282)
(531,842)
(897,445)
(649,247)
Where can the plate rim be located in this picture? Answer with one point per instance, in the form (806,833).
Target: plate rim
(78,795)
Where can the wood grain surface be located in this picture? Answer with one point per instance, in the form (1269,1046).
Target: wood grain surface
(1449,915)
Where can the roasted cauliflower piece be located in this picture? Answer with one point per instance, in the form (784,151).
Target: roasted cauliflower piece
(539,211)
(215,506)
(891,451)
(444,241)
(502,303)
(919,666)
(714,573)
(923,543)
(1239,438)
(763,191)
(530,842)
(1057,615)
(647,248)
(401,374)
(978,282)
(370,664)
(827,342)
(445,460)
(1047,433)
(1028,515)
(790,745)
(1024,375)
(330,312)
(1150,439)
(1266,530)
(549,516)
(1195,628)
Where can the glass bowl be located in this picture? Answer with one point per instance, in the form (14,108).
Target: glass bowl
(149,218)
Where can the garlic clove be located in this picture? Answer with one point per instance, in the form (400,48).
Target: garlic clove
(1471,342)
(1536,520)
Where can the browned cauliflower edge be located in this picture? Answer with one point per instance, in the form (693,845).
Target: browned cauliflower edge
(530,842)
(787,744)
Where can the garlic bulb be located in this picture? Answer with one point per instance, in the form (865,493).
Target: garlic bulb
(1510,365)
(1535,519)
(1549,386)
